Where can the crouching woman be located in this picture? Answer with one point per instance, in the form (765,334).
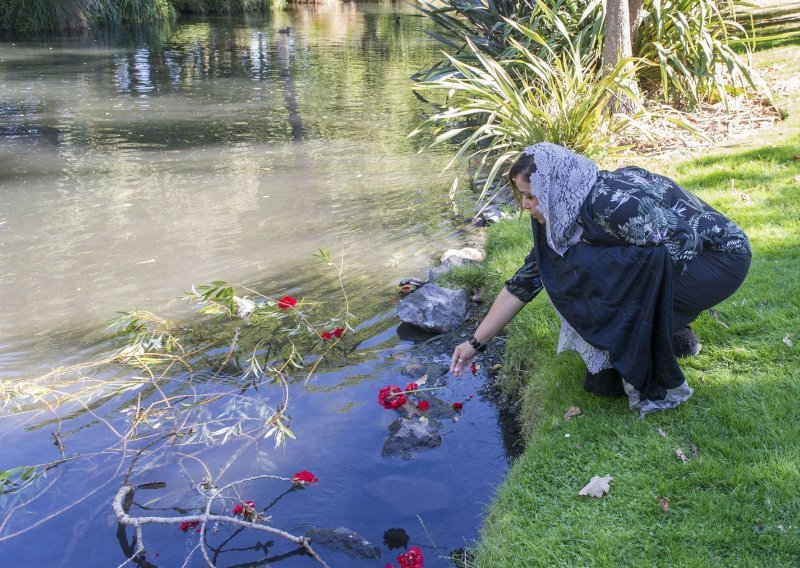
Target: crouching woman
(628,260)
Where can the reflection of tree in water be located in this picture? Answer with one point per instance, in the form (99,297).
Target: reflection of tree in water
(285,47)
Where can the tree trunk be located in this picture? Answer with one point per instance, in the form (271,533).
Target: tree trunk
(618,46)
(617,33)
(634,15)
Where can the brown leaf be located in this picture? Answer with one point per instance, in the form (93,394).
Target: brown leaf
(572,411)
(597,487)
(497,367)
(681,455)
(718,319)
(788,340)
(664,502)
(662,433)
(796,157)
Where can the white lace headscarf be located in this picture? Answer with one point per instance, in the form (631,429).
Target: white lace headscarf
(561,183)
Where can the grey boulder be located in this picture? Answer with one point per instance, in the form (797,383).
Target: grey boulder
(434,308)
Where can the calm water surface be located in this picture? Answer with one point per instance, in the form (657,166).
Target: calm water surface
(135,165)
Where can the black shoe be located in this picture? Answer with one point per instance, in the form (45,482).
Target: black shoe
(685,343)
(607,382)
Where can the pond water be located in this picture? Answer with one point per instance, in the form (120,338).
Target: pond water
(134,165)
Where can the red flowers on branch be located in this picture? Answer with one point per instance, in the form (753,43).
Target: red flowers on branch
(302,478)
(246,510)
(328,335)
(287,303)
(423,405)
(411,559)
(189,525)
(411,386)
(391,397)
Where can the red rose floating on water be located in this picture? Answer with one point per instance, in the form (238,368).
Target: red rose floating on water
(391,397)
(458,405)
(423,405)
(474,368)
(304,478)
(287,303)
(411,559)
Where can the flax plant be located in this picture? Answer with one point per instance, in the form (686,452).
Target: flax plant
(493,109)
(699,49)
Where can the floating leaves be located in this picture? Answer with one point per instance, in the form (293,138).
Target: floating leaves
(572,411)
(597,487)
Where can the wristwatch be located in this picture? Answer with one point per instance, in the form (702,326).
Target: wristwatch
(477,345)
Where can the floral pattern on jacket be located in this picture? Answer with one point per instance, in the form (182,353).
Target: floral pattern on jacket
(637,207)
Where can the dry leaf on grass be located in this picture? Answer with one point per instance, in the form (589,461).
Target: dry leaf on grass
(664,503)
(796,179)
(662,433)
(572,411)
(597,487)
(718,319)
(681,455)
(788,340)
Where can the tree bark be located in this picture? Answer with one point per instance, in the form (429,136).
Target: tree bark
(617,33)
(617,45)
(634,16)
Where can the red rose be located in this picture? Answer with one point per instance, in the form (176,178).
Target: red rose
(411,387)
(337,333)
(458,405)
(326,335)
(423,405)
(188,525)
(287,303)
(405,288)
(474,368)
(238,510)
(304,477)
(411,559)
(391,397)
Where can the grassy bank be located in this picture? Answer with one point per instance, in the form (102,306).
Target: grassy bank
(735,502)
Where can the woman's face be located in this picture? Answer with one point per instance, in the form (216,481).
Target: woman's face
(529,202)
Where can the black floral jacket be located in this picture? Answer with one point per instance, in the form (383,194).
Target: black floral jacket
(637,207)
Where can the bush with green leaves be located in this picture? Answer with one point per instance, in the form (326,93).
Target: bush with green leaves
(698,47)
(494,108)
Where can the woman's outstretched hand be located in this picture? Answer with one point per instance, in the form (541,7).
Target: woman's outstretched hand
(463,355)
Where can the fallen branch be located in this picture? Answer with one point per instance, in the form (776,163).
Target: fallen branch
(139,522)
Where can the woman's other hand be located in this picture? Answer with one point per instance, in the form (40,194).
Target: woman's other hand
(462,357)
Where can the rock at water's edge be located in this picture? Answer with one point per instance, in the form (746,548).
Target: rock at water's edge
(434,308)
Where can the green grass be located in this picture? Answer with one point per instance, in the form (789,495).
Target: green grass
(737,501)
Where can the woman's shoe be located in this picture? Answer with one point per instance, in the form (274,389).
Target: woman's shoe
(685,343)
(607,382)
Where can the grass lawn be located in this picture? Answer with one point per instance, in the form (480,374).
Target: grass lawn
(736,502)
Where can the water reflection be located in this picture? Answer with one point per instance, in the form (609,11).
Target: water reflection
(132,168)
